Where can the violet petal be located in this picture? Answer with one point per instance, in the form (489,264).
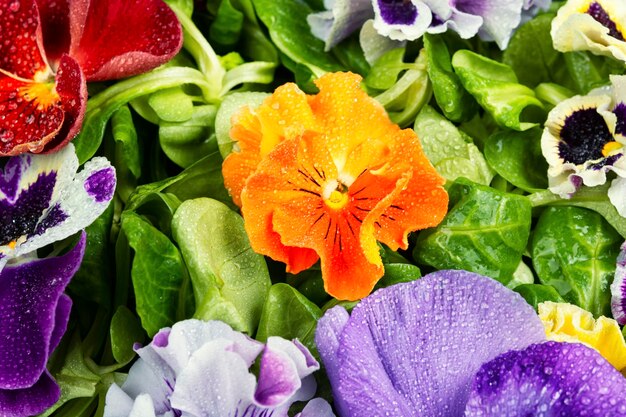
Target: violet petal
(343,17)
(412,349)
(552,378)
(618,288)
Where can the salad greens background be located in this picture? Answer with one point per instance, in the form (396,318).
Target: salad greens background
(173,246)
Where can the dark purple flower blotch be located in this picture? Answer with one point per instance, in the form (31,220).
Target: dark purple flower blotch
(33,317)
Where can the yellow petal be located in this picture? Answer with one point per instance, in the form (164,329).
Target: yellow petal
(569,323)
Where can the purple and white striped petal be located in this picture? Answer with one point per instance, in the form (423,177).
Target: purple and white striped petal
(412,349)
(33,317)
(401,20)
(618,288)
(43,199)
(340,19)
(548,379)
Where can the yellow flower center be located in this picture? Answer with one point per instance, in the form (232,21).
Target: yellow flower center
(610,147)
(43,95)
(335,194)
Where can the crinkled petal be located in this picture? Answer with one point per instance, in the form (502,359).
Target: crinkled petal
(345,16)
(49,199)
(215,382)
(569,323)
(465,24)
(500,17)
(591,25)
(32,295)
(548,379)
(401,20)
(317,407)
(119,38)
(283,366)
(21,49)
(413,349)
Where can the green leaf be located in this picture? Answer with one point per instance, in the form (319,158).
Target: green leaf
(398,273)
(531,55)
(290,315)
(574,250)
(593,198)
(290,32)
(127,157)
(231,104)
(495,87)
(455,102)
(486,231)
(125,331)
(517,157)
(185,143)
(230,281)
(226,27)
(385,71)
(448,150)
(171,104)
(157,272)
(588,71)
(535,294)
(93,280)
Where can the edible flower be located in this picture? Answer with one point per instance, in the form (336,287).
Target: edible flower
(591,25)
(618,288)
(409,19)
(51,48)
(43,199)
(202,369)
(583,140)
(34,313)
(456,343)
(566,322)
(325,177)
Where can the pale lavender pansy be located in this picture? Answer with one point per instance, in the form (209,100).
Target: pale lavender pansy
(591,25)
(34,313)
(618,288)
(436,347)
(202,369)
(407,20)
(583,140)
(43,199)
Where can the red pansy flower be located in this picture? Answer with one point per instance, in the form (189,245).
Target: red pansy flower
(49,49)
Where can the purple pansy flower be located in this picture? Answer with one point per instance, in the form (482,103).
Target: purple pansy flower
(202,369)
(43,199)
(618,288)
(493,20)
(456,342)
(33,317)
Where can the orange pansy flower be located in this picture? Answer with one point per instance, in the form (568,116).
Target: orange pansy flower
(327,176)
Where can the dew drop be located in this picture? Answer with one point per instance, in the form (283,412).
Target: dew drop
(6,135)
(14,6)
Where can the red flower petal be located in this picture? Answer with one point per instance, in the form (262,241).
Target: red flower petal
(118,38)
(33,114)
(21,46)
(72,88)
(55,24)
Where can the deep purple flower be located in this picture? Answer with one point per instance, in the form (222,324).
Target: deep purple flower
(201,369)
(33,317)
(427,347)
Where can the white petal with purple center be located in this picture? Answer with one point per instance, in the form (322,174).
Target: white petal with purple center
(401,20)
(46,200)
(591,25)
(500,17)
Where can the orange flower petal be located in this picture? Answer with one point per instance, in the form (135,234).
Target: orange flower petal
(334,185)
(285,114)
